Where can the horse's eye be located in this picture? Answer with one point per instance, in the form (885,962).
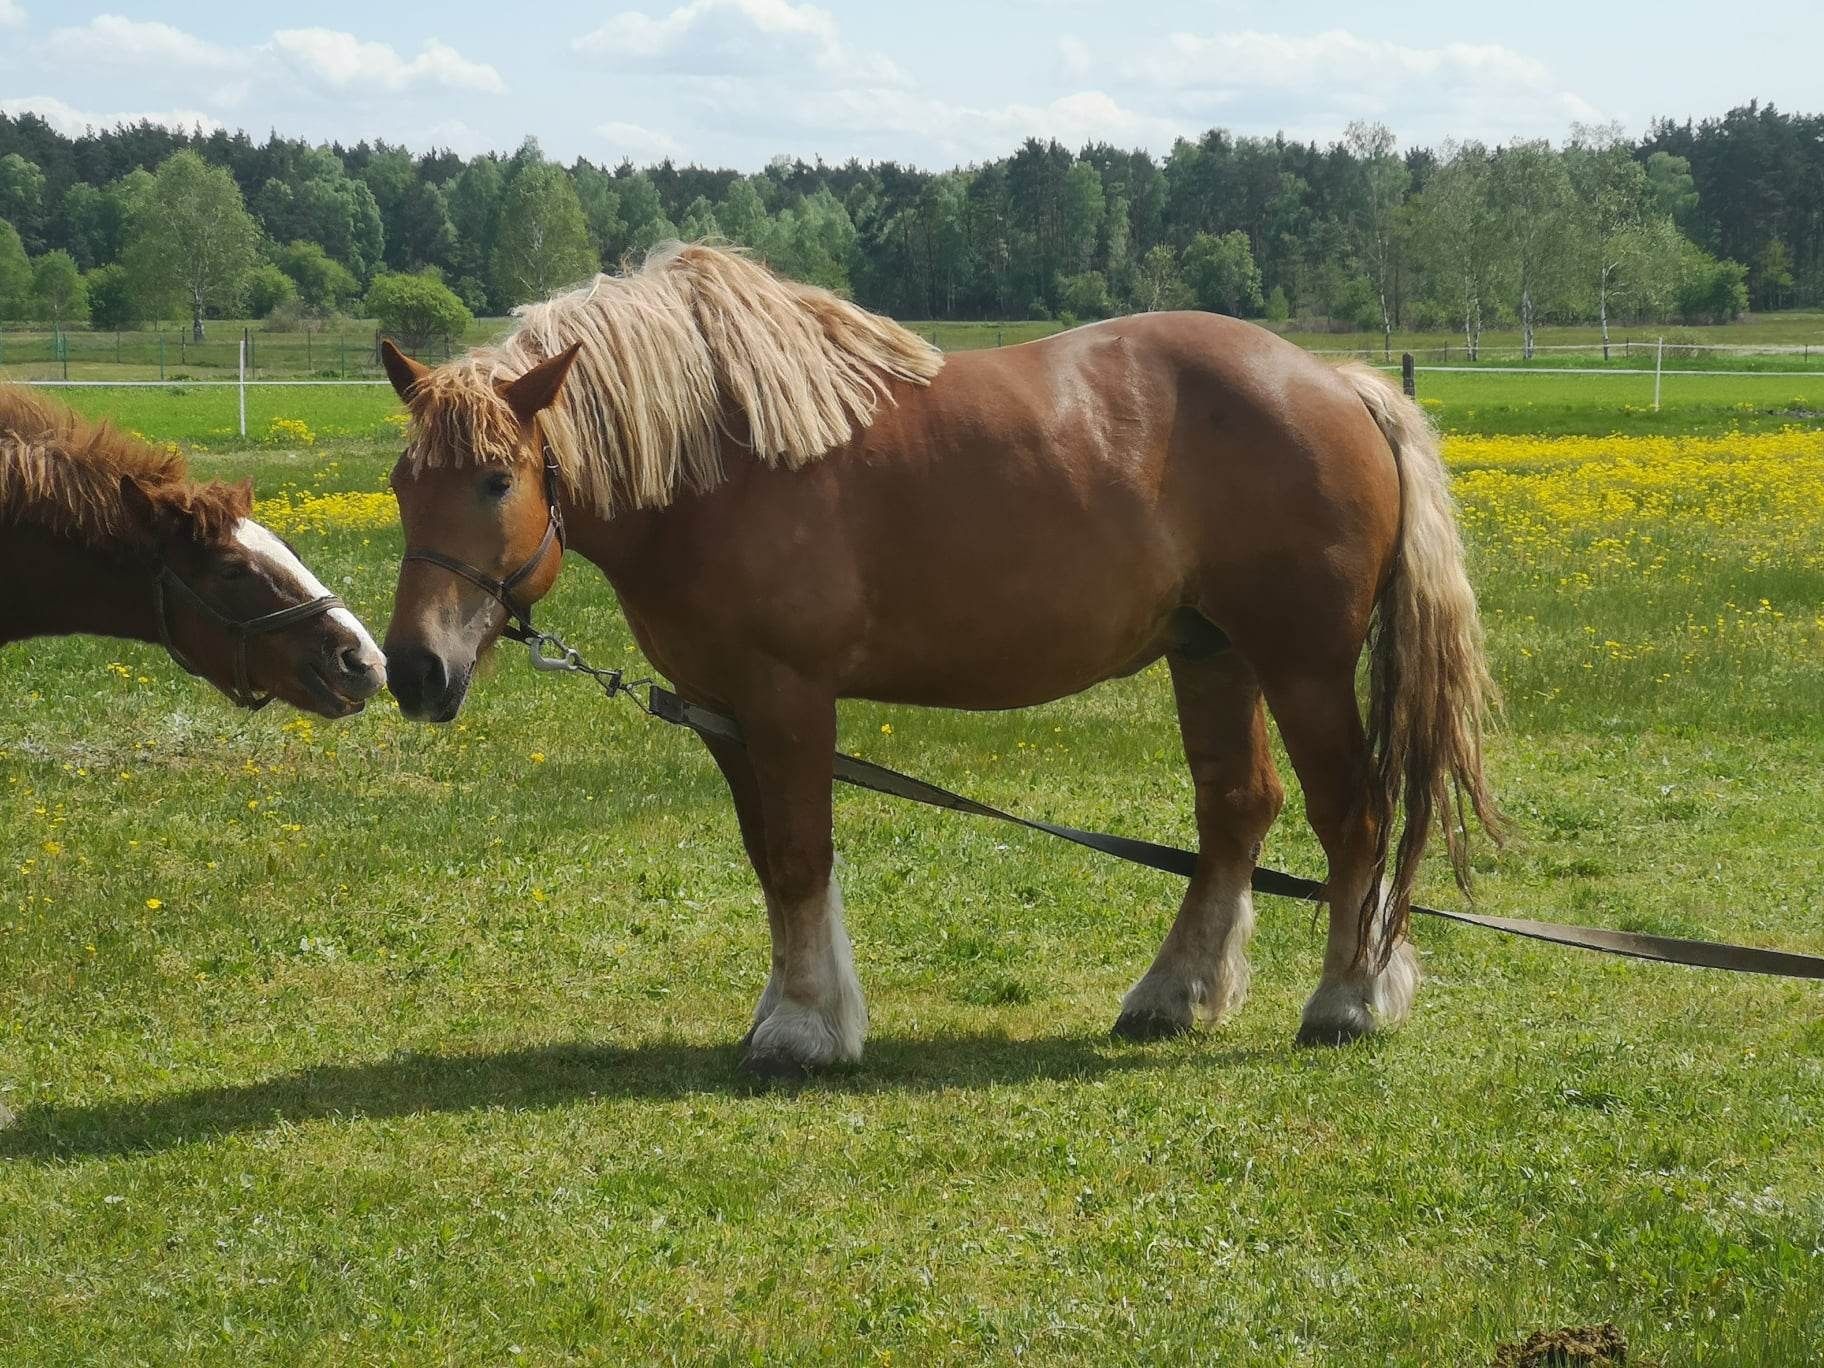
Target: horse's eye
(497,485)
(232,570)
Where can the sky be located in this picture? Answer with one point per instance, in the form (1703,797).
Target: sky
(934,83)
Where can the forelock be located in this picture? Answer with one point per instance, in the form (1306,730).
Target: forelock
(458,416)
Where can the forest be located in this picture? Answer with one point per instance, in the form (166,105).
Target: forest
(1695,221)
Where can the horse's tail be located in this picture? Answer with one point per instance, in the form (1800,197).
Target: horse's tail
(1429,688)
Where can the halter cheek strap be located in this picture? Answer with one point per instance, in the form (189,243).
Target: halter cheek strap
(239,630)
(519,615)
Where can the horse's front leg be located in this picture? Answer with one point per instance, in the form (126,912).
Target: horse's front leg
(812,1013)
(744,791)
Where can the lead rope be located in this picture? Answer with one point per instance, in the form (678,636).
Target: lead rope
(551,654)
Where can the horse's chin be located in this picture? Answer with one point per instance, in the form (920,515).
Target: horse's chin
(317,695)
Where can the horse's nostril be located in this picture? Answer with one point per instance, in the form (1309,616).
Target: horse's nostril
(415,674)
(353,661)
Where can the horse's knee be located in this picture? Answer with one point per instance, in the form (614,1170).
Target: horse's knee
(1242,811)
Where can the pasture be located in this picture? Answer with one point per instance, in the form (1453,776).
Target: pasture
(377,1043)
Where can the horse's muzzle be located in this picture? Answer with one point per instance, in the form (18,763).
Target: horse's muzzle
(427,688)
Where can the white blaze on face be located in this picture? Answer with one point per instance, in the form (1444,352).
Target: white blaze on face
(285,567)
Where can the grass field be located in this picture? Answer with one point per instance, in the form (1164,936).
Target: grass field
(376,1043)
(205,416)
(29,351)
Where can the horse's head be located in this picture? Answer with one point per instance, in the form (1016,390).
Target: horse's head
(236,606)
(480,520)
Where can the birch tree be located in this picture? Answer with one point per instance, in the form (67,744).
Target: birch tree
(1455,228)
(1611,190)
(191,238)
(543,243)
(1382,180)
(1533,198)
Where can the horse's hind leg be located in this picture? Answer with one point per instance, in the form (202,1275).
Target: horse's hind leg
(1322,727)
(1201,970)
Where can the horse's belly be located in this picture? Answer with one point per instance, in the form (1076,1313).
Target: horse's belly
(982,640)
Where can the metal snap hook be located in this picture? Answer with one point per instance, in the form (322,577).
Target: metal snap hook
(540,649)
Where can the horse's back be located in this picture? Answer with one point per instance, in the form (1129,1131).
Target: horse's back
(1080,490)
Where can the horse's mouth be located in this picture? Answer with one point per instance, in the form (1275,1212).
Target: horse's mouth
(327,700)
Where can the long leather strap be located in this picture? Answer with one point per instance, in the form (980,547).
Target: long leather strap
(1743,959)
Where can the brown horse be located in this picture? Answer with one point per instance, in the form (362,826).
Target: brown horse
(797,502)
(102,533)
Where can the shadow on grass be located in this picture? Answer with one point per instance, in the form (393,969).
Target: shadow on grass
(548,1076)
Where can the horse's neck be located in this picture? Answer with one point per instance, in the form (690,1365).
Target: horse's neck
(616,545)
(50,586)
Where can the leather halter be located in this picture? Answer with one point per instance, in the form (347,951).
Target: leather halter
(519,626)
(239,630)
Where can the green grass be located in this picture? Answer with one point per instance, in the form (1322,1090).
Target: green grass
(27,352)
(1552,405)
(206,417)
(427,1052)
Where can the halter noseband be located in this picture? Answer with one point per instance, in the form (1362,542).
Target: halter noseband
(519,626)
(239,630)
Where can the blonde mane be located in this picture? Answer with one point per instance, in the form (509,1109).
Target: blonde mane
(62,472)
(698,344)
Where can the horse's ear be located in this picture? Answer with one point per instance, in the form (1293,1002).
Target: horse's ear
(538,387)
(138,504)
(401,369)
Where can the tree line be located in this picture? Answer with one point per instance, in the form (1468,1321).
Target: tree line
(1695,221)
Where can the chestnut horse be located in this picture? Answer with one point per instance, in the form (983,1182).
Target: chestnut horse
(102,533)
(797,501)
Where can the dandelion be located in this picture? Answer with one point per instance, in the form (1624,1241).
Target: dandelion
(538,757)
(886,729)
(153,904)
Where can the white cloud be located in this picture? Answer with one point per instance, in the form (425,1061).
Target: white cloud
(111,40)
(1074,56)
(737,37)
(12,14)
(1324,78)
(73,122)
(343,62)
(881,121)
(641,144)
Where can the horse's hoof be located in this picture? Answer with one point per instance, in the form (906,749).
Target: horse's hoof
(1143,1025)
(1331,1033)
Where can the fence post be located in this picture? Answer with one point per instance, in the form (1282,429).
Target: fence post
(342,342)
(1408,378)
(242,389)
(1659,360)
(117,346)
